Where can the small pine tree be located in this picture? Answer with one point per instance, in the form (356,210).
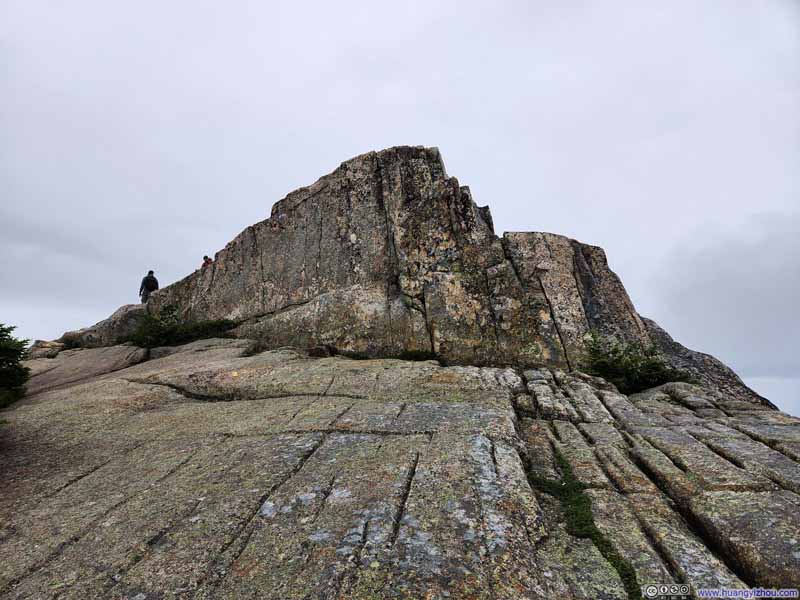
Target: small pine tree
(13,375)
(631,367)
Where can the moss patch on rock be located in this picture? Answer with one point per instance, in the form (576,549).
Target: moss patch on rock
(577,507)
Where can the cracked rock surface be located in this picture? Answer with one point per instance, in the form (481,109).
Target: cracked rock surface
(202,473)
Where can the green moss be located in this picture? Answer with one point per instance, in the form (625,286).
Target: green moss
(577,507)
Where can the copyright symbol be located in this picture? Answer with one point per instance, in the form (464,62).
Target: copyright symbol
(651,591)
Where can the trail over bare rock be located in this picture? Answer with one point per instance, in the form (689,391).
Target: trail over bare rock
(204,473)
(224,469)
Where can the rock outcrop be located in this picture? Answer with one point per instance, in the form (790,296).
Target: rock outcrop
(389,254)
(228,469)
(105,333)
(208,474)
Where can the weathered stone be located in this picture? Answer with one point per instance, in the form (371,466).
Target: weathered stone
(586,403)
(579,455)
(625,475)
(629,414)
(753,456)
(708,470)
(688,556)
(617,522)
(211,470)
(603,434)
(757,531)
(362,479)
(539,449)
(71,366)
(573,567)
(552,405)
(676,482)
(44,349)
(107,332)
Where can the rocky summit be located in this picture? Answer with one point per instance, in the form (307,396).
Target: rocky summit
(261,466)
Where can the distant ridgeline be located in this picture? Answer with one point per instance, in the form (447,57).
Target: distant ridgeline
(389,255)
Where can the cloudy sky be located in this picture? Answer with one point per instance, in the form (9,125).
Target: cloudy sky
(145,134)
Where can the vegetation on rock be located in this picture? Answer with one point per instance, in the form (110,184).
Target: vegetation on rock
(577,507)
(167,329)
(414,355)
(631,367)
(13,374)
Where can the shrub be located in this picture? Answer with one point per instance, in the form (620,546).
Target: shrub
(410,355)
(166,329)
(631,367)
(13,375)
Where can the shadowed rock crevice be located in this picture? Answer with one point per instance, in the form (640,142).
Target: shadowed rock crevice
(398,518)
(691,521)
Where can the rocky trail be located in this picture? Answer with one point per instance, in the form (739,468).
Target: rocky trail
(205,474)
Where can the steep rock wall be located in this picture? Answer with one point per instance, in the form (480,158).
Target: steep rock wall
(388,254)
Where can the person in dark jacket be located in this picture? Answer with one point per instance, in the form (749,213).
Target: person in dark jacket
(149,285)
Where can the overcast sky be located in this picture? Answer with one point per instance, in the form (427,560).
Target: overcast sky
(145,134)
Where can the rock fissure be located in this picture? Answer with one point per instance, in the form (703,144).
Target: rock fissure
(401,508)
(240,395)
(61,547)
(692,524)
(243,533)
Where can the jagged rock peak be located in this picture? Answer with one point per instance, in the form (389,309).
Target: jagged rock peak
(389,254)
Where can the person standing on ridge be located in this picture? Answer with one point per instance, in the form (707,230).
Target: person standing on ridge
(207,261)
(149,285)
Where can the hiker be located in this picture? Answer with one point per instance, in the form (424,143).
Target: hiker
(207,261)
(149,285)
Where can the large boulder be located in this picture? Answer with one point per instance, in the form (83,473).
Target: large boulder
(44,349)
(109,331)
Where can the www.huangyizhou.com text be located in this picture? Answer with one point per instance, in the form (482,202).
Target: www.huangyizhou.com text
(676,591)
(751,593)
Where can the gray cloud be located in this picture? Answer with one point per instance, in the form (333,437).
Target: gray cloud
(144,135)
(736,294)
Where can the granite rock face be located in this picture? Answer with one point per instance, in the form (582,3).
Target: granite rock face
(208,471)
(204,473)
(389,254)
